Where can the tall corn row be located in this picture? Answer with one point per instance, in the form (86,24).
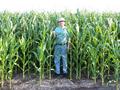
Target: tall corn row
(26,45)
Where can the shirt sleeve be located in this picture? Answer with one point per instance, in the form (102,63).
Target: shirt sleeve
(68,34)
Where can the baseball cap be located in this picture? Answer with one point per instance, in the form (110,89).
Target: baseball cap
(61,19)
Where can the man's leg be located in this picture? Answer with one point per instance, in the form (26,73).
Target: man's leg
(57,59)
(64,58)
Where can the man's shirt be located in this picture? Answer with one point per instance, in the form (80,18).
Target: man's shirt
(61,35)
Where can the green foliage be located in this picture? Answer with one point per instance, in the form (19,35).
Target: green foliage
(26,44)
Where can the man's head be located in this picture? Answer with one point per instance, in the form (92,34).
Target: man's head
(61,22)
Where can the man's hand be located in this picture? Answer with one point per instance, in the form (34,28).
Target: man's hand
(69,44)
(52,33)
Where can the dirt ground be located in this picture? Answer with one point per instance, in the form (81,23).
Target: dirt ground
(59,83)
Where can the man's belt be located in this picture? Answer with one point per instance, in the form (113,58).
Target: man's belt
(61,44)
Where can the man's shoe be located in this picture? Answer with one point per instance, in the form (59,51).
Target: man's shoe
(56,75)
(64,75)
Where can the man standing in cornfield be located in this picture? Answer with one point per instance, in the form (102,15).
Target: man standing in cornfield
(60,49)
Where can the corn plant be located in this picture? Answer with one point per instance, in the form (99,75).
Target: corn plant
(12,57)
(3,57)
(27,46)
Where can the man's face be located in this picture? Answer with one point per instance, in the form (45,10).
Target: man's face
(62,23)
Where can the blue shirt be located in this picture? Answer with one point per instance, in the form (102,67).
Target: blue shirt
(61,35)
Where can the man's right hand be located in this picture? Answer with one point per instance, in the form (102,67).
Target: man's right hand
(52,33)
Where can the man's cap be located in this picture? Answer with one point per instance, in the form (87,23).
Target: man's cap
(61,19)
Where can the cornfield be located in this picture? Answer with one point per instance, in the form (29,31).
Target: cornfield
(27,46)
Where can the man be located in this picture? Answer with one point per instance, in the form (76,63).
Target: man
(60,50)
